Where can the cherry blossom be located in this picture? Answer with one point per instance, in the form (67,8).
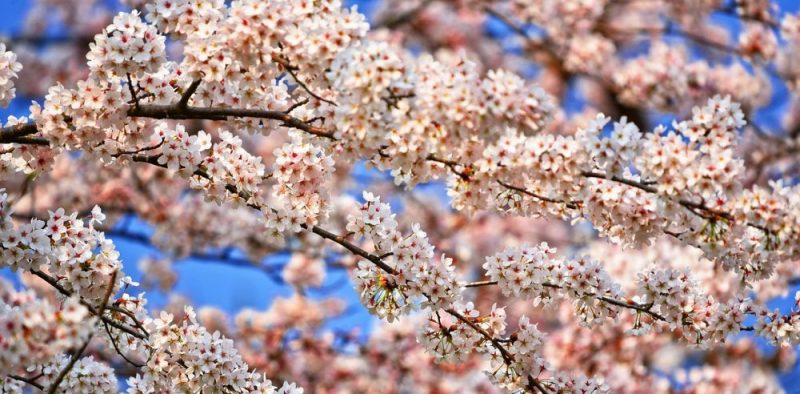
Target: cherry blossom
(576,251)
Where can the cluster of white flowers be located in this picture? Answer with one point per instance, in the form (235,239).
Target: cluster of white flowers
(33,330)
(230,164)
(365,75)
(420,117)
(550,166)
(451,340)
(533,273)
(697,163)
(87,375)
(184,16)
(523,271)
(660,79)
(82,117)
(9,67)
(516,363)
(315,31)
(159,87)
(515,103)
(560,18)
(66,247)
(26,159)
(667,296)
(613,153)
(179,150)
(777,328)
(526,350)
(416,276)
(683,180)
(302,37)
(186,357)
(590,54)
(128,46)
(303,172)
(697,317)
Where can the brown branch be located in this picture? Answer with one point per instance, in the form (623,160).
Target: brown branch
(339,239)
(134,98)
(569,204)
(10,133)
(645,308)
(30,381)
(117,349)
(482,283)
(75,356)
(508,358)
(173,111)
(53,282)
(63,373)
(184,101)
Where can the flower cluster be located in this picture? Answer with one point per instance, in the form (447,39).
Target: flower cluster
(303,173)
(526,351)
(531,272)
(179,150)
(523,271)
(185,356)
(9,67)
(86,375)
(255,66)
(34,330)
(365,75)
(66,247)
(184,16)
(516,362)
(26,159)
(80,117)
(516,104)
(661,78)
(128,46)
(451,340)
(611,154)
(551,167)
(230,164)
(415,275)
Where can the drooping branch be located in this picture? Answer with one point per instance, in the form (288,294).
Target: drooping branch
(78,353)
(54,283)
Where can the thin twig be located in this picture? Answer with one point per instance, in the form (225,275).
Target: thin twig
(29,381)
(133,93)
(63,373)
(53,282)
